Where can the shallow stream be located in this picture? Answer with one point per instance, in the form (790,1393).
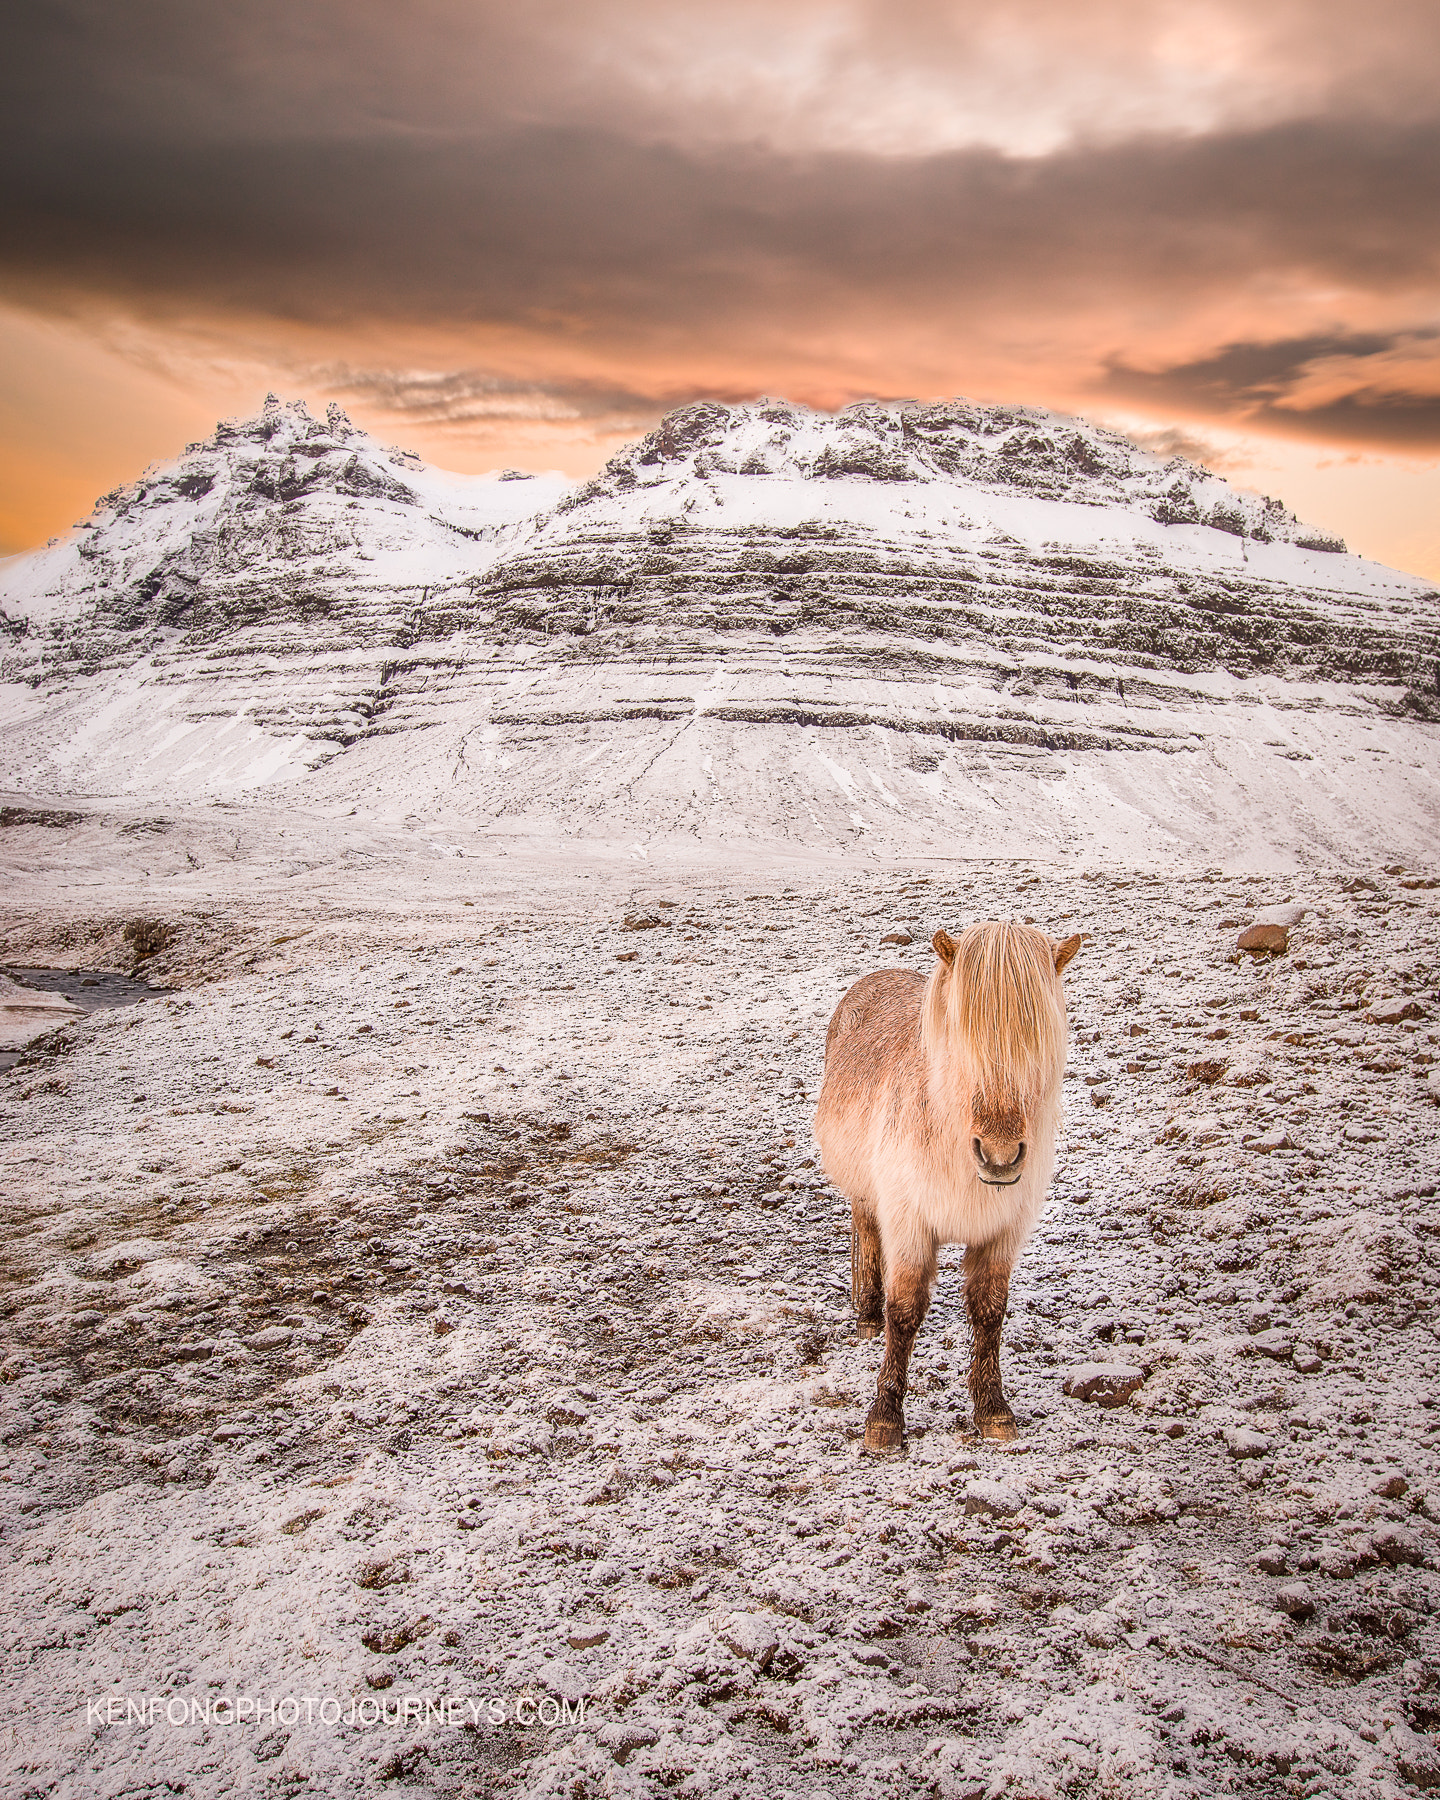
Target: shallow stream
(92,990)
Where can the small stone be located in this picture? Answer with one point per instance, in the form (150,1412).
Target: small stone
(992,1499)
(1242,1442)
(1432,1083)
(1392,1487)
(1276,1344)
(751,1637)
(628,956)
(644,918)
(1307,1360)
(1270,930)
(1271,1560)
(1100,1096)
(1101,1628)
(223,1434)
(1261,938)
(1173,1428)
(621,1736)
(1107,1384)
(273,1337)
(586,1640)
(1415,1756)
(1396,1544)
(1295,1600)
(1339,1561)
(897,937)
(1392,1012)
(1271,1141)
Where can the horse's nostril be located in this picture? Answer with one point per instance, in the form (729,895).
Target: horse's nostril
(979,1149)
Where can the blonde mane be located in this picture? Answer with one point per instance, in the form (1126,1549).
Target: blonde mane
(998,1002)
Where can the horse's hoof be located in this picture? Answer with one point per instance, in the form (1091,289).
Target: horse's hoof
(1001,1427)
(868,1328)
(883,1438)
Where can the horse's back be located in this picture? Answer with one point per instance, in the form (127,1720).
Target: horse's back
(874,1031)
(879,1008)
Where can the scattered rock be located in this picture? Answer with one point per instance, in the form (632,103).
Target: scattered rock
(1391,1487)
(1396,1544)
(992,1499)
(1271,1560)
(1307,1360)
(1269,931)
(1272,1140)
(751,1636)
(1392,1012)
(1415,1757)
(1101,1628)
(621,1736)
(1107,1384)
(1277,1344)
(644,918)
(273,1337)
(897,937)
(147,937)
(1260,939)
(1295,1600)
(1241,1442)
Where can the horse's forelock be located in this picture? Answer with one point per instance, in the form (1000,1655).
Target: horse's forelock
(999,1004)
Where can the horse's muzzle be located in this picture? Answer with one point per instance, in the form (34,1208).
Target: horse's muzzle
(997,1174)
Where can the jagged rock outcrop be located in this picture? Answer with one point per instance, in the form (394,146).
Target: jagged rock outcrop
(904,621)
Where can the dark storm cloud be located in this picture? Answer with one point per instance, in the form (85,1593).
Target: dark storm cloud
(1282,385)
(410,165)
(542,223)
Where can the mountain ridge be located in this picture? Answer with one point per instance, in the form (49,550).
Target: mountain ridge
(754,620)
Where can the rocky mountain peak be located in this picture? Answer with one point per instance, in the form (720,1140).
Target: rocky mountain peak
(956,443)
(918,624)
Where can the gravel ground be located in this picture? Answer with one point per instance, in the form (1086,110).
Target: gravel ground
(437,1312)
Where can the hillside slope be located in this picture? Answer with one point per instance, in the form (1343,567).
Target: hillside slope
(950,627)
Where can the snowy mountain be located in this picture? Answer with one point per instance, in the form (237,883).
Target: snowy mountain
(950,627)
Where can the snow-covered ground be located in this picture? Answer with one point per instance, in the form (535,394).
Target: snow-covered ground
(434,1298)
(428,1365)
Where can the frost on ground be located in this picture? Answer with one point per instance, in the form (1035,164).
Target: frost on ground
(441,1300)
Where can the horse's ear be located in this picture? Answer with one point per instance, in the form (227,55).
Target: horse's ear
(1064,952)
(945,946)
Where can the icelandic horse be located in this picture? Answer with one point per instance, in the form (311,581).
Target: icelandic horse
(937,1120)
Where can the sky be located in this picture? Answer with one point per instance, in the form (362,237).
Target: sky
(514,236)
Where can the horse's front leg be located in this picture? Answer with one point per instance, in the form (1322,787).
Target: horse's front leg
(907,1299)
(867,1272)
(987,1293)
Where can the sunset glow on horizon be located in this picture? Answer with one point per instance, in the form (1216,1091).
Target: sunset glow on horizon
(516,237)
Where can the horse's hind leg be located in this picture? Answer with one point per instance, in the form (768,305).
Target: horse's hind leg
(907,1299)
(867,1278)
(987,1293)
